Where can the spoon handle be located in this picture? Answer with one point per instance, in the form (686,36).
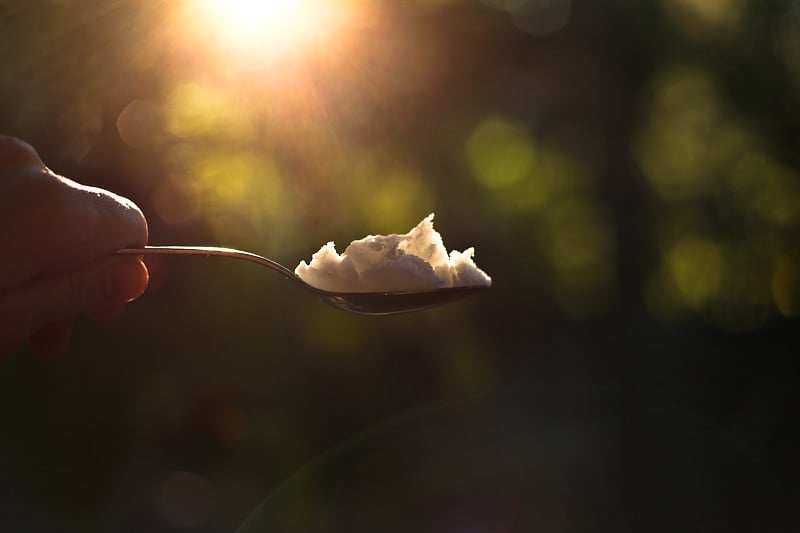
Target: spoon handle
(212,250)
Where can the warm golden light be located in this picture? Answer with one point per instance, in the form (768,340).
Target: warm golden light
(253,16)
(262,30)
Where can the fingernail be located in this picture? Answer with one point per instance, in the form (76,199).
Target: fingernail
(125,280)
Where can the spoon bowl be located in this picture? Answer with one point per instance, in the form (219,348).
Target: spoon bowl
(363,303)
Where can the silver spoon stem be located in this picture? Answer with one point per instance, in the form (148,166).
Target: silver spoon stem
(213,250)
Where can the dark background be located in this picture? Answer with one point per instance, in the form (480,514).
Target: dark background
(627,172)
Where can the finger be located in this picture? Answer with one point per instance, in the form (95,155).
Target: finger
(58,224)
(16,153)
(110,282)
(52,339)
(92,224)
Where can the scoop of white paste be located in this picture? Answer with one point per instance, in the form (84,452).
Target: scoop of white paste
(416,261)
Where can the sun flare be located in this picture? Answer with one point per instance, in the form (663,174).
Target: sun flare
(254,16)
(266,29)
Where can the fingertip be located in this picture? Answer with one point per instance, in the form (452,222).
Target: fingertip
(143,278)
(125,280)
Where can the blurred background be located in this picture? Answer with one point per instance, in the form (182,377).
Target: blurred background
(627,171)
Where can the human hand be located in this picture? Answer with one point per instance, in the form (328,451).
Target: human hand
(57,239)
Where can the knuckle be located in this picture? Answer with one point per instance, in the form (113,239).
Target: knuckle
(17,153)
(36,187)
(47,202)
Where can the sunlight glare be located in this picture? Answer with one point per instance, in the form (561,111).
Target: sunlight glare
(263,29)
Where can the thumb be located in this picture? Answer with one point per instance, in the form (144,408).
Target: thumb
(111,281)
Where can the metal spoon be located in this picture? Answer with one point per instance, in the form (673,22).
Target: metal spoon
(364,303)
